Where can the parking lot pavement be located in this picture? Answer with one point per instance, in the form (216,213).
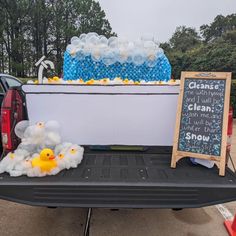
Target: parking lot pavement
(188,222)
(17,220)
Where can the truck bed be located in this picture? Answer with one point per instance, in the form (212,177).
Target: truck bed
(124,179)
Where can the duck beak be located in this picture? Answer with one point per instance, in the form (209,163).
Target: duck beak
(51,157)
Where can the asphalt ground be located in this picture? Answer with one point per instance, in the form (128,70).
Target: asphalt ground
(17,219)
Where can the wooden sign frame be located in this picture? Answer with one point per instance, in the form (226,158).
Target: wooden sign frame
(220,161)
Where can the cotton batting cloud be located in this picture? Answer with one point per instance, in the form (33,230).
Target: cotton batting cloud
(41,151)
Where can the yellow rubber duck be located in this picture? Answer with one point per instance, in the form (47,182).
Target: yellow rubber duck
(56,78)
(105,80)
(81,81)
(45,161)
(91,81)
(50,80)
(126,81)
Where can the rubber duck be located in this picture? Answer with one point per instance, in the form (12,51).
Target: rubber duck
(91,81)
(172,82)
(45,161)
(11,160)
(34,134)
(62,160)
(118,80)
(62,147)
(75,155)
(70,156)
(105,81)
(63,163)
(7,162)
(50,80)
(21,168)
(131,82)
(81,81)
(56,78)
(126,81)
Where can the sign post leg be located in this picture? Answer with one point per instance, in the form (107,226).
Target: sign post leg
(173,163)
(173,159)
(222,165)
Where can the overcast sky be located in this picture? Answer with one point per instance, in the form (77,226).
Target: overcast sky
(159,18)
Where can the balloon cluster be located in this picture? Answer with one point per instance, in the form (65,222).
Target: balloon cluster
(93,56)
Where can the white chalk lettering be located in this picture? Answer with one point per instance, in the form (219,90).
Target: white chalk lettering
(199,137)
(195,85)
(195,107)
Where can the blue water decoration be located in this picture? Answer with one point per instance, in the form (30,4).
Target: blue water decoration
(99,58)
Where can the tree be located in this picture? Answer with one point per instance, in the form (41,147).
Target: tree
(220,26)
(92,18)
(32,28)
(215,52)
(184,39)
(15,17)
(230,37)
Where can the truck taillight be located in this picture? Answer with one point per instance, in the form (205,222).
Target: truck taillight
(11,113)
(6,129)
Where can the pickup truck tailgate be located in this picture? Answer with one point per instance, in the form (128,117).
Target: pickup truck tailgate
(122,179)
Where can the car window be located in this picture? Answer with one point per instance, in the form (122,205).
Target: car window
(11,82)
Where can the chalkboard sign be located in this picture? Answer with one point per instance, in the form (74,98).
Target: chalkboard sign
(202,117)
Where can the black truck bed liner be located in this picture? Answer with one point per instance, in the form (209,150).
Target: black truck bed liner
(124,179)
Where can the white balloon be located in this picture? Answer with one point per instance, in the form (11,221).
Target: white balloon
(96,54)
(151,60)
(93,40)
(113,42)
(82,38)
(52,126)
(138,57)
(145,50)
(80,55)
(138,44)
(71,49)
(149,44)
(75,42)
(123,54)
(103,40)
(74,38)
(109,57)
(90,34)
(21,127)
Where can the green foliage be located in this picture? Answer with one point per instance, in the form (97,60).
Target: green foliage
(220,26)
(184,38)
(216,51)
(32,28)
